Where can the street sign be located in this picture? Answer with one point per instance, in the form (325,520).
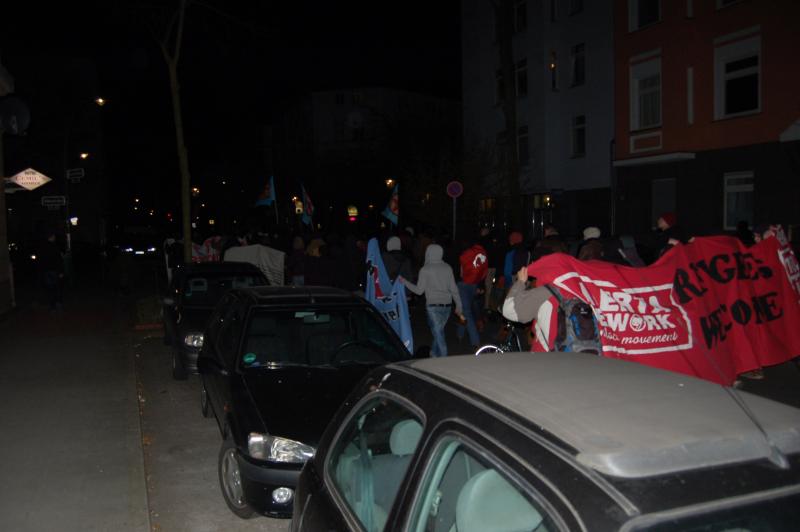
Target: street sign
(53,202)
(75,174)
(455,189)
(30,179)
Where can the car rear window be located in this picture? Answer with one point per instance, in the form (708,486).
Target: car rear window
(319,337)
(776,514)
(207,290)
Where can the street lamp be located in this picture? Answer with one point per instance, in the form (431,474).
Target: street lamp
(389,183)
(71,119)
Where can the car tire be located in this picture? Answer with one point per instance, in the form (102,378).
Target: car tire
(178,371)
(205,409)
(230,480)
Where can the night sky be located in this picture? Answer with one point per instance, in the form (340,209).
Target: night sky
(240,61)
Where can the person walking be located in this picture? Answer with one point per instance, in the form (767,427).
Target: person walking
(396,261)
(474,265)
(437,283)
(51,266)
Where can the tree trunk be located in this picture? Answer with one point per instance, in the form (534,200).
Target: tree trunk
(183,161)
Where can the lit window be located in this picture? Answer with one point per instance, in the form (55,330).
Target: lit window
(553,67)
(646,94)
(521,73)
(642,13)
(578,60)
(738,202)
(737,78)
(579,136)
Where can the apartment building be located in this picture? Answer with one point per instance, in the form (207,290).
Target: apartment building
(708,114)
(563,77)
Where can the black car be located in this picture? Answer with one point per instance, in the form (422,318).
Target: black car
(551,441)
(193,293)
(275,365)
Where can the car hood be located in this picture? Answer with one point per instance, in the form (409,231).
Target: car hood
(298,402)
(193,319)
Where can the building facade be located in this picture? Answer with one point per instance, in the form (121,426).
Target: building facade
(562,75)
(707,113)
(345,144)
(6,282)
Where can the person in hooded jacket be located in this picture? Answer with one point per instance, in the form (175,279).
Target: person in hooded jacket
(438,284)
(396,261)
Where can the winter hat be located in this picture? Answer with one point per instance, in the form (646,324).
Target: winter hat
(515,238)
(669,217)
(393,244)
(591,232)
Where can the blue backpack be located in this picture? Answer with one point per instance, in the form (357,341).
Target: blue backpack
(577,326)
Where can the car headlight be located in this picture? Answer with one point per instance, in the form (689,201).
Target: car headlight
(194,339)
(276,449)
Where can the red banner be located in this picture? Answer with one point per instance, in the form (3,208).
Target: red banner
(713,308)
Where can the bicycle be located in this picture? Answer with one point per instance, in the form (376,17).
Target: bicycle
(511,340)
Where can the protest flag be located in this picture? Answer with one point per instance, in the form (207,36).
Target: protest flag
(267,196)
(308,207)
(392,210)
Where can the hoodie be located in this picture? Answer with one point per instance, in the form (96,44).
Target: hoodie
(436,280)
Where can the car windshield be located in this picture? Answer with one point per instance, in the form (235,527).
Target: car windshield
(206,290)
(319,337)
(780,513)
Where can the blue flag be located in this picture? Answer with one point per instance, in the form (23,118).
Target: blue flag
(308,207)
(267,196)
(392,210)
(387,297)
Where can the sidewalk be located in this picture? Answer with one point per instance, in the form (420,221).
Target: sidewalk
(69,412)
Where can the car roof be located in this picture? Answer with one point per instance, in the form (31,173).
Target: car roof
(625,419)
(298,295)
(221,267)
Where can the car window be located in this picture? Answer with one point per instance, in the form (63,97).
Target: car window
(370,458)
(318,337)
(465,491)
(229,333)
(206,290)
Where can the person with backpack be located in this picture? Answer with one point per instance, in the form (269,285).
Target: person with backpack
(474,266)
(517,256)
(559,322)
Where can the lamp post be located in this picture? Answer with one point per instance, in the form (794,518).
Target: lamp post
(83,155)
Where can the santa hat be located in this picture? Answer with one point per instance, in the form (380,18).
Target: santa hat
(670,218)
(515,238)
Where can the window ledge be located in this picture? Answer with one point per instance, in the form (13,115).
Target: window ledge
(648,129)
(734,116)
(646,26)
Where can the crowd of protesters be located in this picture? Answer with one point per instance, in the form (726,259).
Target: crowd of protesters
(468,277)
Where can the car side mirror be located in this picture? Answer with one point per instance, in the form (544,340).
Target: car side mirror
(169,301)
(423,351)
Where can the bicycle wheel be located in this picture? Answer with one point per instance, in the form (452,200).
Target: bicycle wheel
(489,348)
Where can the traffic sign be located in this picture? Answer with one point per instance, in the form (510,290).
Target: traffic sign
(455,189)
(30,179)
(75,174)
(52,202)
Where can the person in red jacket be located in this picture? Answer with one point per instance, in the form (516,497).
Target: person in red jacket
(474,266)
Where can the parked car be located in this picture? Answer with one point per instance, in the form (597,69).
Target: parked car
(275,365)
(550,441)
(193,293)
